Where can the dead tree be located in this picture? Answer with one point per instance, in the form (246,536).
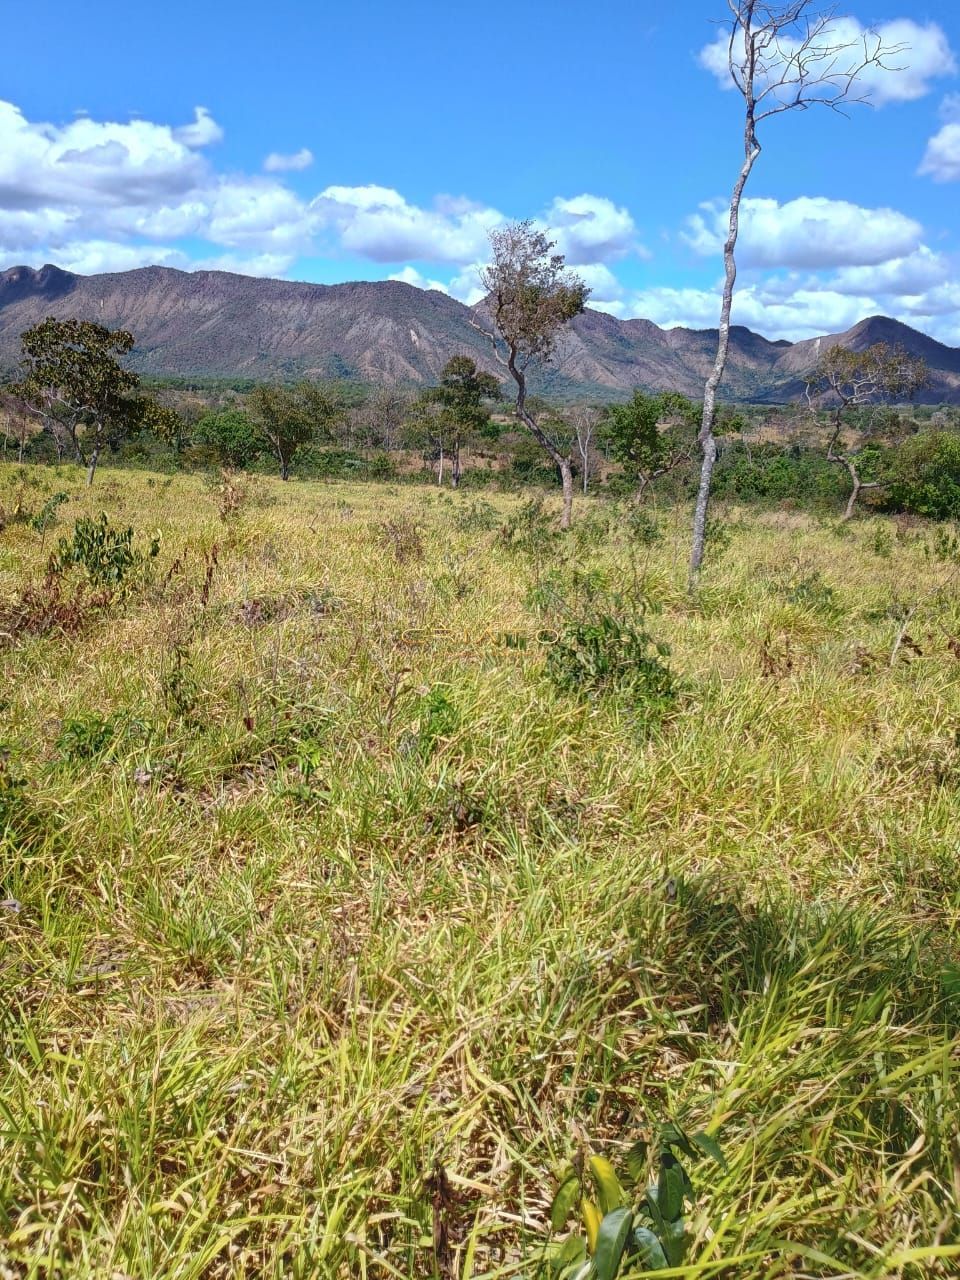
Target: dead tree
(783,56)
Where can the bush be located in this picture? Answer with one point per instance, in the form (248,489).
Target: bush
(230,435)
(612,652)
(924,476)
(107,554)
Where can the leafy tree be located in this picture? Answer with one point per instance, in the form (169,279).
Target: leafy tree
(783,55)
(923,476)
(852,380)
(231,434)
(456,411)
(639,444)
(530,298)
(287,417)
(73,381)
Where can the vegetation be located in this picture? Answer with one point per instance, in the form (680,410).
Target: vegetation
(347,930)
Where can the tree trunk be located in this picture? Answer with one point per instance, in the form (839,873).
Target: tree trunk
(455,469)
(440,469)
(566,476)
(854,492)
(708,443)
(94,459)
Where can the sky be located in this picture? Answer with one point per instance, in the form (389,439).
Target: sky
(370,140)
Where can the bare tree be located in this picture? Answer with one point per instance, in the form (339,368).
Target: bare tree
(853,380)
(15,423)
(530,297)
(782,56)
(585,419)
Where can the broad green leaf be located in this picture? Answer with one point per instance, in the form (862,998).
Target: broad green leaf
(637,1160)
(674,1241)
(650,1249)
(611,1242)
(710,1147)
(567,1195)
(671,1135)
(573,1253)
(591,1221)
(609,1191)
(670,1188)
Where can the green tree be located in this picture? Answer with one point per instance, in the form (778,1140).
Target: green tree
(530,297)
(641,446)
(456,412)
(232,436)
(852,380)
(287,417)
(71,378)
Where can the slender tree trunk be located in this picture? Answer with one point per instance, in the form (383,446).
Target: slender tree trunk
(708,443)
(566,477)
(21,443)
(455,470)
(92,468)
(440,469)
(544,441)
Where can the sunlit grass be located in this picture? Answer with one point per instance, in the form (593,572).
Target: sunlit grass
(285,944)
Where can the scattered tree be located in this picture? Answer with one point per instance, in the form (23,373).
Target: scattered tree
(854,379)
(645,451)
(530,297)
(456,412)
(231,435)
(782,56)
(74,383)
(585,420)
(288,417)
(16,423)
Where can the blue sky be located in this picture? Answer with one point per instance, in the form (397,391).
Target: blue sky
(372,140)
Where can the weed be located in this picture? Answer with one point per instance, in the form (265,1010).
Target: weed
(402,537)
(613,653)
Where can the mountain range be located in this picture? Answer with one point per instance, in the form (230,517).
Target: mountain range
(205,324)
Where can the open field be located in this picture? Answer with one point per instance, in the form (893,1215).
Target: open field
(317,884)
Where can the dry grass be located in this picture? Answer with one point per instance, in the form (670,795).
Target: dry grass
(315,885)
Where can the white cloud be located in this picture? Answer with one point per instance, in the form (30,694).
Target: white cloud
(378,223)
(811,232)
(925,56)
(942,159)
(410,275)
(202,133)
(90,257)
(590,228)
(269,265)
(276,162)
(913,274)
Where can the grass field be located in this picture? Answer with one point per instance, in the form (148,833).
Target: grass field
(316,885)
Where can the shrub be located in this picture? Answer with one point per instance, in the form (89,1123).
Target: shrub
(612,652)
(106,554)
(530,528)
(924,476)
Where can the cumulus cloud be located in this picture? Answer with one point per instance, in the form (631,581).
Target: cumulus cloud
(925,55)
(590,228)
(810,232)
(276,162)
(410,275)
(942,159)
(90,257)
(378,223)
(202,132)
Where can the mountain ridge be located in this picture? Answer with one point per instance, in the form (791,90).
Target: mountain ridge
(223,324)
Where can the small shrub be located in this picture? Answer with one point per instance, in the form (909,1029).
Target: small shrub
(438,718)
(46,517)
(812,593)
(403,537)
(475,517)
(640,526)
(85,738)
(529,529)
(106,554)
(612,652)
(638,1225)
(881,542)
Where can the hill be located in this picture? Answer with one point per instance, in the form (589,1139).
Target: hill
(216,324)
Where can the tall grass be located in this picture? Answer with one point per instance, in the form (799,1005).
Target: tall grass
(315,884)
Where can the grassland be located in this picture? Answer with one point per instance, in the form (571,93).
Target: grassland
(316,885)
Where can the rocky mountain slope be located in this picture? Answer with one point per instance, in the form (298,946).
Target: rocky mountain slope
(213,323)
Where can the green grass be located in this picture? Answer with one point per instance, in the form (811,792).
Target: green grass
(324,885)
